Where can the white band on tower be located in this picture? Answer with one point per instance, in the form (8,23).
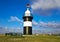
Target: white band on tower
(27,23)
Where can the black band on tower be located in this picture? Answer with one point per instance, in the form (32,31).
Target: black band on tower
(29,31)
(29,18)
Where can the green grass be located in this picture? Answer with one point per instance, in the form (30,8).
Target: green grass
(33,38)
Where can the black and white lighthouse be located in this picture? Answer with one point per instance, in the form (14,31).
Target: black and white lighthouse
(27,30)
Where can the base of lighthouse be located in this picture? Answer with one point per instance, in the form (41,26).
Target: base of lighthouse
(27,30)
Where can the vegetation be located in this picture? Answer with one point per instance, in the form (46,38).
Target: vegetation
(30,38)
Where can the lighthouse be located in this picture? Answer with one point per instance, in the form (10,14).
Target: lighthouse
(27,29)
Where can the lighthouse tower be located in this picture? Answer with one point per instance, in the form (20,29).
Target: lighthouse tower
(27,30)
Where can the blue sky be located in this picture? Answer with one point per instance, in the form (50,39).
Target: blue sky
(46,15)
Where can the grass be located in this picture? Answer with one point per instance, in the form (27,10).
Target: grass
(32,38)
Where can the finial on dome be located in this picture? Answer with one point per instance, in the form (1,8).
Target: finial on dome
(28,5)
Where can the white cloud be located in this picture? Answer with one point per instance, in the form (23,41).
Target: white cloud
(15,29)
(47,24)
(14,18)
(35,23)
(45,4)
(50,24)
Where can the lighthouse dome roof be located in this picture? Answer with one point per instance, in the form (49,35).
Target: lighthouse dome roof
(27,12)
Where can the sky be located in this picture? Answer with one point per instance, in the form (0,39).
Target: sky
(46,15)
